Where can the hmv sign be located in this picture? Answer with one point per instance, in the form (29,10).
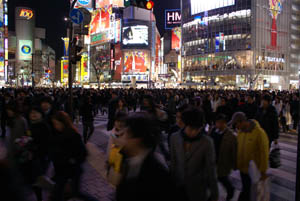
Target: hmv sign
(172,18)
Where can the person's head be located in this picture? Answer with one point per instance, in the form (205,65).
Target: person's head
(250,99)
(223,101)
(121,103)
(114,95)
(46,104)
(119,124)
(193,119)
(148,102)
(221,122)
(179,112)
(239,121)
(140,132)
(35,114)
(266,101)
(62,121)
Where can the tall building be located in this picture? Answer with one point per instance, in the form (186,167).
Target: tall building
(237,43)
(295,43)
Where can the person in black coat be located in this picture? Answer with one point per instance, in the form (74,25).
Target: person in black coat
(40,132)
(250,108)
(268,119)
(145,176)
(112,107)
(4,118)
(294,110)
(67,153)
(86,111)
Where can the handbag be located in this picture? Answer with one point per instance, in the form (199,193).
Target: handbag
(274,157)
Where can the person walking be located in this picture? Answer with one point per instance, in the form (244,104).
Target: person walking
(226,152)
(86,112)
(190,145)
(67,153)
(145,176)
(268,119)
(253,145)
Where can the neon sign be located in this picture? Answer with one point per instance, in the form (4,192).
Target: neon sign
(26,13)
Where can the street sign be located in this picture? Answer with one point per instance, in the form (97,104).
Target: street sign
(87,17)
(76,16)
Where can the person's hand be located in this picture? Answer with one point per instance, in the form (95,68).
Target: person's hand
(263,177)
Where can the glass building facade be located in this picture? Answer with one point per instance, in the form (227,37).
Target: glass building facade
(236,43)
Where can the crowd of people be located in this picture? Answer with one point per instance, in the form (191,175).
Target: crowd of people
(208,134)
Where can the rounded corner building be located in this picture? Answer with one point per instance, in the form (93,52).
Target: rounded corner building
(236,44)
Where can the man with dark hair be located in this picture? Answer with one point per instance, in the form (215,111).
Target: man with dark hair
(250,108)
(252,146)
(226,151)
(112,107)
(189,146)
(268,119)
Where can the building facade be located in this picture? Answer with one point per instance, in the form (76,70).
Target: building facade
(236,43)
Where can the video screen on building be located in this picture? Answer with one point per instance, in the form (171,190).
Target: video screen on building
(136,36)
(136,62)
(199,6)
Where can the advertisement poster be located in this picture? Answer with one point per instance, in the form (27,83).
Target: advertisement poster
(95,22)
(102,3)
(118,31)
(136,62)
(135,35)
(118,62)
(64,71)
(84,3)
(84,68)
(66,47)
(105,17)
(25,50)
(176,38)
(117,3)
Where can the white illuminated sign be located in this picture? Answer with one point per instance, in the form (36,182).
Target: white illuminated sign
(199,6)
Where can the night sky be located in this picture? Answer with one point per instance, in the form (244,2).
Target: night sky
(50,15)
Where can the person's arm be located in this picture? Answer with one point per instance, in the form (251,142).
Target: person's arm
(263,152)
(211,171)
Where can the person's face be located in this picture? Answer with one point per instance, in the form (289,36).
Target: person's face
(35,115)
(191,132)
(223,102)
(10,113)
(146,103)
(179,121)
(119,129)
(220,124)
(58,125)
(121,103)
(126,141)
(265,104)
(45,106)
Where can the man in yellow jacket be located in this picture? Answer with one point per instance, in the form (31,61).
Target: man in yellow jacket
(253,144)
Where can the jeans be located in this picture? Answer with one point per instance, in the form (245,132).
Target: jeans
(228,186)
(246,181)
(88,129)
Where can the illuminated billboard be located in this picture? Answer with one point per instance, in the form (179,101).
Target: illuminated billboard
(95,22)
(25,50)
(114,3)
(100,38)
(199,6)
(136,35)
(26,14)
(172,18)
(136,62)
(84,3)
(176,38)
(64,71)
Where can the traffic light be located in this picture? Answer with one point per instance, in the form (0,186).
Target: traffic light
(146,4)
(75,50)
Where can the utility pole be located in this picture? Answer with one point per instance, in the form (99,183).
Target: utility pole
(70,63)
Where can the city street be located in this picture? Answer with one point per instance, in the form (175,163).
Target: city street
(282,179)
(95,184)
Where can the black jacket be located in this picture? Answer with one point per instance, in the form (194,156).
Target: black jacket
(40,133)
(268,120)
(250,110)
(153,183)
(67,152)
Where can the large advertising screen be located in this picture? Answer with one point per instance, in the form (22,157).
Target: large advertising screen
(176,38)
(199,6)
(136,61)
(114,3)
(136,35)
(25,50)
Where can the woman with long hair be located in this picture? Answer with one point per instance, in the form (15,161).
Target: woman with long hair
(68,153)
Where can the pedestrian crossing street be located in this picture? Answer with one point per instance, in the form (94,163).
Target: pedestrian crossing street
(283,179)
(99,120)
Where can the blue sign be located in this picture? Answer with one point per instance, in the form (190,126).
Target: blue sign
(76,16)
(26,49)
(84,2)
